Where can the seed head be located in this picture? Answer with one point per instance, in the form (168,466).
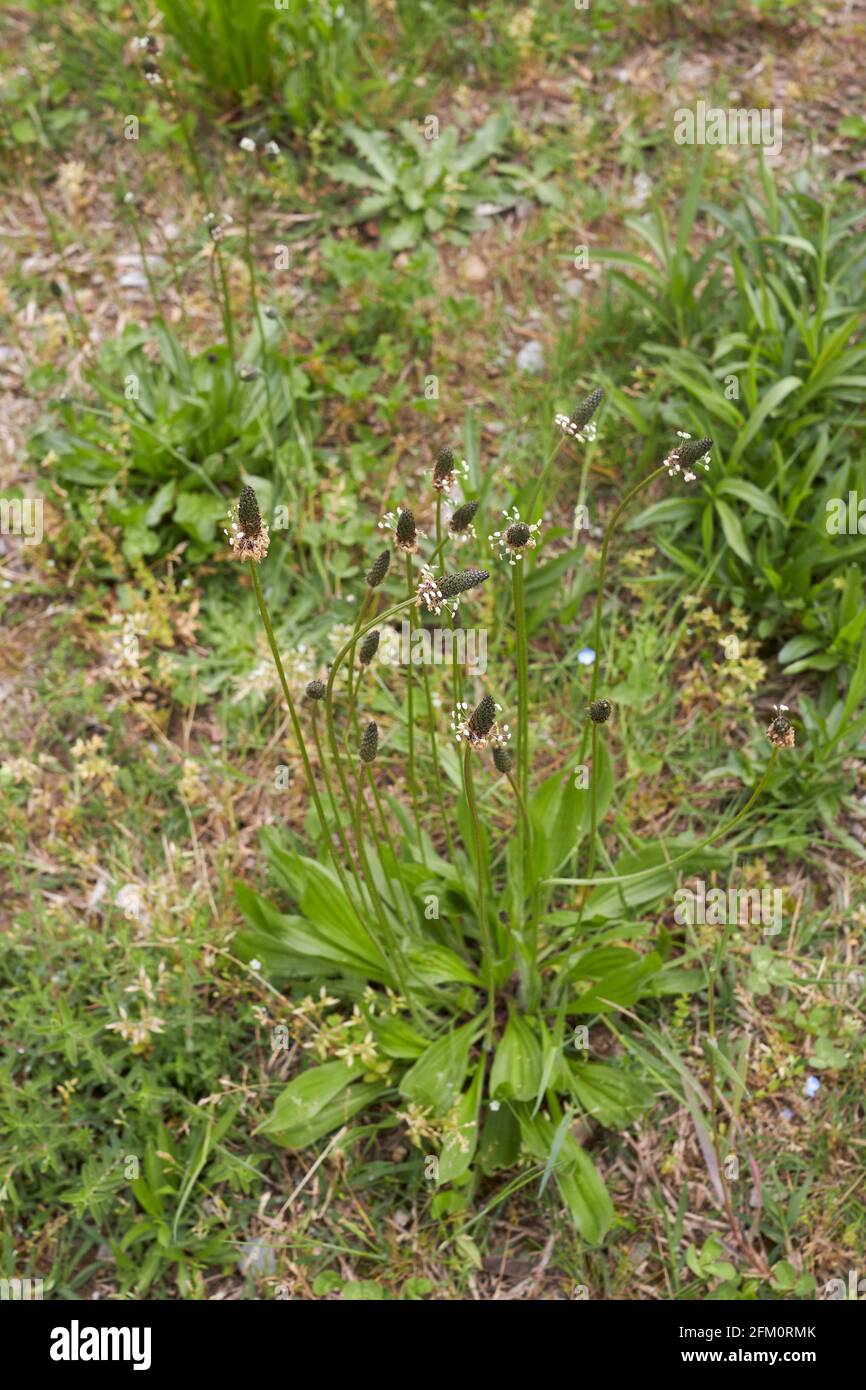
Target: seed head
(248,534)
(407,532)
(483,717)
(379,569)
(316,690)
(693,451)
(587,408)
(443,465)
(369,647)
(599,711)
(452,585)
(781,730)
(686,455)
(249,517)
(578,426)
(369,743)
(502,760)
(446,470)
(481,726)
(518,535)
(463,518)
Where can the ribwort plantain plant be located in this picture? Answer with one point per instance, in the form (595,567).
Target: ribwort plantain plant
(462,951)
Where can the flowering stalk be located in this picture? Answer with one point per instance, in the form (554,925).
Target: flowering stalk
(680,458)
(514,543)
(389,840)
(578,427)
(375,576)
(298,732)
(478,731)
(251,267)
(329,691)
(530,979)
(329,788)
(129,204)
(388,947)
(198,172)
(484,925)
(410,712)
(522,697)
(431,719)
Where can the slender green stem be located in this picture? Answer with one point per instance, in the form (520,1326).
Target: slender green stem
(142,250)
(522,687)
(353,714)
(542,477)
(347,647)
(602,570)
(344,843)
(388,947)
(483,924)
(299,736)
(599,601)
(686,854)
(389,840)
(593,800)
(530,980)
(263,342)
(410,712)
(198,171)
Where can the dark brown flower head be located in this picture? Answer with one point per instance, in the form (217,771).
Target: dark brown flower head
(444,465)
(502,760)
(369,647)
(446,470)
(599,711)
(407,532)
(452,585)
(379,569)
(781,731)
(518,535)
(483,717)
(249,517)
(462,518)
(693,451)
(587,408)
(687,456)
(480,727)
(248,534)
(578,424)
(316,690)
(516,538)
(369,743)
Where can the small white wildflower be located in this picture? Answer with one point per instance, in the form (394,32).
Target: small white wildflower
(584,434)
(429,594)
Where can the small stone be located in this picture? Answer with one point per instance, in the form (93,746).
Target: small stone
(530,358)
(473,268)
(257,1257)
